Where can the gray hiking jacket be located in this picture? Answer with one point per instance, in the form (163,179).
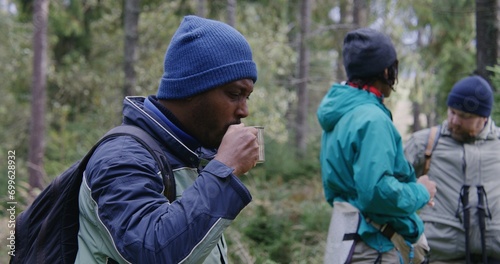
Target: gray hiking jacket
(454,164)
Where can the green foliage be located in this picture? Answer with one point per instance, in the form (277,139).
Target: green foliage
(286,222)
(275,63)
(69,22)
(270,232)
(288,219)
(15,54)
(156,28)
(446,50)
(495,115)
(495,81)
(281,162)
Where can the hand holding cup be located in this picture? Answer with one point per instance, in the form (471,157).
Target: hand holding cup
(239,148)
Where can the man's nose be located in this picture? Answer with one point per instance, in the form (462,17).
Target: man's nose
(242,110)
(455,120)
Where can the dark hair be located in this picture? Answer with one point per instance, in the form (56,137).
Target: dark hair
(392,74)
(391,80)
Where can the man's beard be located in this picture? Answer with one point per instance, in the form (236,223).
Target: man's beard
(462,136)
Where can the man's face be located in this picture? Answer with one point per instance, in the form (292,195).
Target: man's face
(464,127)
(212,112)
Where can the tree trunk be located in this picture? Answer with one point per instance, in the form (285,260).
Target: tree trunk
(338,35)
(434,116)
(132,11)
(359,13)
(303,98)
(38,94)
(486,36)
(201,8)
(231,13)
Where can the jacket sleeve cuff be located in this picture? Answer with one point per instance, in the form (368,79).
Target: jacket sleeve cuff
(225,173)
(218,169)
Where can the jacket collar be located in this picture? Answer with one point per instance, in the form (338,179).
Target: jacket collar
(158,125)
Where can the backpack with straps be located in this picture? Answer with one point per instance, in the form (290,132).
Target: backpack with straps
(431,145)
(463,210)
(47,231)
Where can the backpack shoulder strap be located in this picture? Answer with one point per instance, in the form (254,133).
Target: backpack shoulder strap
(153,147)
(431,144)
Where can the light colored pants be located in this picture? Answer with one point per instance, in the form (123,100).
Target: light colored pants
(345,220)
(364,254)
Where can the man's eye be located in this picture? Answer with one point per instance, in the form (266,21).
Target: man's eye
(238,96)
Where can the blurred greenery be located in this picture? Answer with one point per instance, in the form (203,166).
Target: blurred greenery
(288,219)
(495,115)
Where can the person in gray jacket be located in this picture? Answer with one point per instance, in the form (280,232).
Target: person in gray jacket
(464,224)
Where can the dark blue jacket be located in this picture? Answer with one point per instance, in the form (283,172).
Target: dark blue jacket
(124,214)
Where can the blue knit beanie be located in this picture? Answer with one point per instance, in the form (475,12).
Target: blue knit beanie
(367,53)
(202,55)
(473,95)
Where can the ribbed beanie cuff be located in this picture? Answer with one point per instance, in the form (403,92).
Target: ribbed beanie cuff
(204,54)
(473,95)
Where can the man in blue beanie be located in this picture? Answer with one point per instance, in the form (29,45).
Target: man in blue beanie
(464,224)
(196,117)
(366,178)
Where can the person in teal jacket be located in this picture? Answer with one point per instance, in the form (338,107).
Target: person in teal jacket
(362,158)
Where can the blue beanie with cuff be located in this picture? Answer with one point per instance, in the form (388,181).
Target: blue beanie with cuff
(473,95)
(204,54)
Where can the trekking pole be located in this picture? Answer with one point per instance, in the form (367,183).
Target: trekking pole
(481,212)
(464,195)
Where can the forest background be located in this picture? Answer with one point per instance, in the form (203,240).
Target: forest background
(96,52)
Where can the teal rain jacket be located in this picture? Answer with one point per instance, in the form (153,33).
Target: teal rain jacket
(363,163)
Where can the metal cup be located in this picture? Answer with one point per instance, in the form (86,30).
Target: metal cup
(260,140)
